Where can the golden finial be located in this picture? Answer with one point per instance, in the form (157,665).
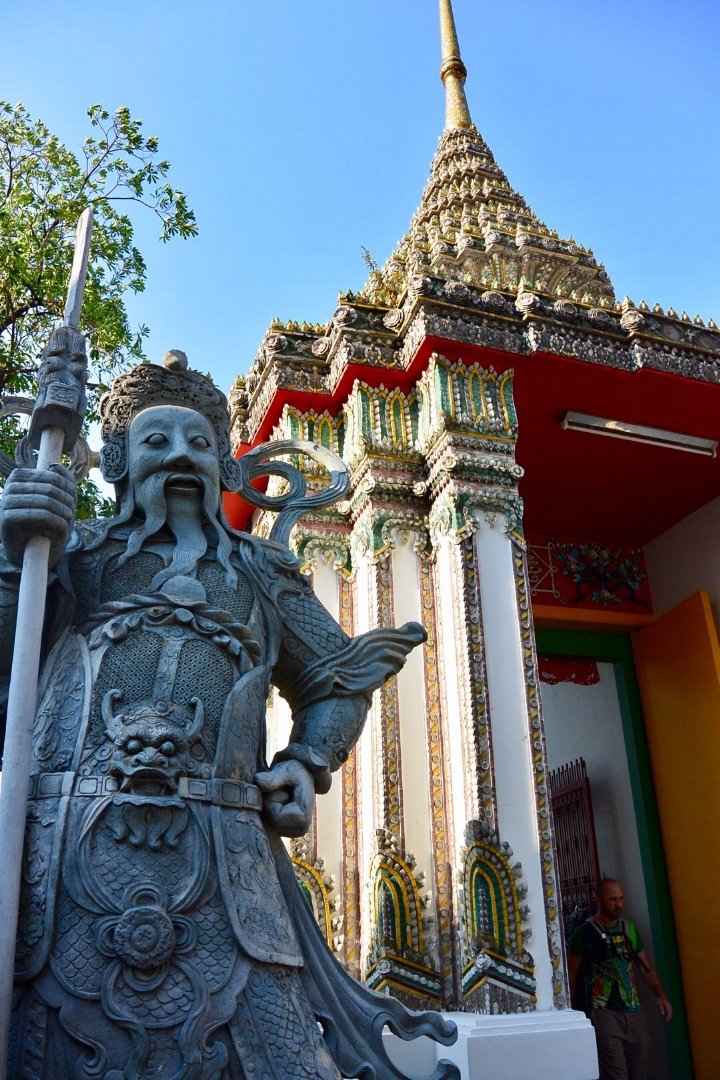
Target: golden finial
(452,71)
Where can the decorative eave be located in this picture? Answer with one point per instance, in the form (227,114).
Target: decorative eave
(380,344)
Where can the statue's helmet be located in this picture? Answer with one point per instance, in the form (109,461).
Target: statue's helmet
(173,383)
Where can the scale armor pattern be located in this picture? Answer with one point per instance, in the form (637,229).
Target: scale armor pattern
(55,727)
(275,1005)
(119,581)
(307,618)
(167,1006)
(237,599)
(115,863)
(76,962)
(216,947)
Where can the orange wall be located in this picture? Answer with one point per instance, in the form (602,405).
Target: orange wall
(678,668)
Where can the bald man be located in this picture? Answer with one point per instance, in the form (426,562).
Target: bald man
(603,956)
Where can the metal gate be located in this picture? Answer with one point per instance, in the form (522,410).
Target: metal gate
(576,846)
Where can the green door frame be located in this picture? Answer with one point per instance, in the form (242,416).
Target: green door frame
(616,649)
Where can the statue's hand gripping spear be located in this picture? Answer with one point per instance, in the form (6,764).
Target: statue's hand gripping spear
(54,427)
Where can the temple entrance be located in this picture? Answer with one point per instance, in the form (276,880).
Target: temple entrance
(605,808)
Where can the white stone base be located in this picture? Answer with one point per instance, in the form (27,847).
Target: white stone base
(556,1045)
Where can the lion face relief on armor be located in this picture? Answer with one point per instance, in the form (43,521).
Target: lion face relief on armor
(155,743)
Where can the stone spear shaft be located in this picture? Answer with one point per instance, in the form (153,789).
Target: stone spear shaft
(55,424)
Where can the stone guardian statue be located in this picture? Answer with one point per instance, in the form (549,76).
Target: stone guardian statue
(162,932)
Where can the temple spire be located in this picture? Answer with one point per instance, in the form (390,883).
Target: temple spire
(452,71)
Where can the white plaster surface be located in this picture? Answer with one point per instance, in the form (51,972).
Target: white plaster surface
(686,559)
(365,757)
(411,702)
(328,808)
(551,1045)
(514,782)
(279,724)
(451,689)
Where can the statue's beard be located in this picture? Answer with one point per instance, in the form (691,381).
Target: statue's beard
(149,497)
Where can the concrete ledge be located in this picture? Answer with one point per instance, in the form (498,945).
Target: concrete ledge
(557,1045)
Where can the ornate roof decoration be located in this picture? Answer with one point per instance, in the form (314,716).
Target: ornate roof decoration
(477,267)
(471,225)
(362,336)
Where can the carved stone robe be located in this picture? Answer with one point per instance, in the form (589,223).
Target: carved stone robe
(162,933)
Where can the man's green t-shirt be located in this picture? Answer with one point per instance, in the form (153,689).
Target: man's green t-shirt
(607,954)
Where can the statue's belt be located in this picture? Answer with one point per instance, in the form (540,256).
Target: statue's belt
(219,792)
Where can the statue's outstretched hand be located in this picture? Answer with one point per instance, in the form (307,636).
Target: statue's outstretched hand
(289,797)
(37,502)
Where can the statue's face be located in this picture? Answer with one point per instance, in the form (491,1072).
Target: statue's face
(178,442)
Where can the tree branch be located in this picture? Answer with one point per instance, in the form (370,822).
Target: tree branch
(9,321)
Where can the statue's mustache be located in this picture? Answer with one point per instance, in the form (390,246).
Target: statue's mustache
(185,477)
(151,492)
(185,472)
(148,497)
(151,498)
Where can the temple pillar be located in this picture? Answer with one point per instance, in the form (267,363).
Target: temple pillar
(350,801)
(366,753)
(398,801)
(510,957)
(407,547)
(325,859)
(522,809)
(327,558)
(502,834)
(393,764)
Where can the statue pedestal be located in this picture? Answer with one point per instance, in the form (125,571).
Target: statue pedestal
(553,1045)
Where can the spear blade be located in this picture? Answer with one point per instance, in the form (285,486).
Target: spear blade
(78,274)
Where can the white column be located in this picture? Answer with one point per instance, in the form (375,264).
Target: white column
(329,820)
(452,676)
(512,751)
(415,766)
(366,754)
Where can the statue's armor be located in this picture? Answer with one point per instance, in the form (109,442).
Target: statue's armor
(162,933)
(155,912)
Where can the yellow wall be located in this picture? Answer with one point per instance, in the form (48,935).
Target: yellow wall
(678,668)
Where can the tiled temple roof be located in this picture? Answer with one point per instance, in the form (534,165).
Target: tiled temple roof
(472,227)
(476,267)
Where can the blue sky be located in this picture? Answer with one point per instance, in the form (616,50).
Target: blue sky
(304,130)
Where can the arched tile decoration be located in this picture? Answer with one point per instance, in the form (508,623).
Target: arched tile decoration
(380,419)
(400,956)
(497,969)
(319,891)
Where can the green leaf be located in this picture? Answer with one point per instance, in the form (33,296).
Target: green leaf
(44,186)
